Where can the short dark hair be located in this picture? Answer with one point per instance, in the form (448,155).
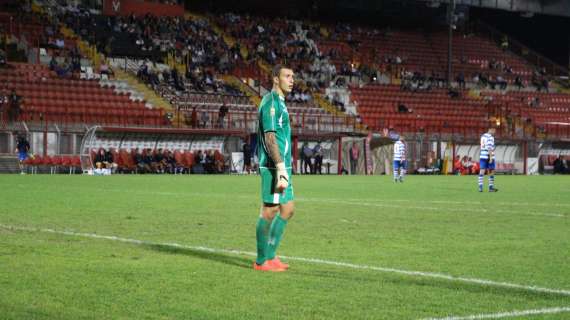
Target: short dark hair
(276,71)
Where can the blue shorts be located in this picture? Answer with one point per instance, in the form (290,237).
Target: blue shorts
(485,164)
(402,164)
(22,156)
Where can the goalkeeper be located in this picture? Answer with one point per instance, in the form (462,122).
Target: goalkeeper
(274,153)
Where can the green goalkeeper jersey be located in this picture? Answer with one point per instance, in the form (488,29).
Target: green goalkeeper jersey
(273,117)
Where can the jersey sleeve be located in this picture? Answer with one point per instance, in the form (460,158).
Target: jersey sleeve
(268,115)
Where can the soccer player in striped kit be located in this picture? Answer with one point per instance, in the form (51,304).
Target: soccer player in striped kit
(487,159)
(400,163)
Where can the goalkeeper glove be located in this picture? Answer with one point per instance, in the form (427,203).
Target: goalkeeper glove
(282,178)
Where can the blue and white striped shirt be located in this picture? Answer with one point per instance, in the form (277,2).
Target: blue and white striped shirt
(399,151)
(487,146)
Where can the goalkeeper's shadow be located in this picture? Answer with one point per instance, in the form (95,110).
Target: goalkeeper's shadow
(211,256)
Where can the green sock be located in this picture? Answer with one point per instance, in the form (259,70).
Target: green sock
(275,235)
(262,235)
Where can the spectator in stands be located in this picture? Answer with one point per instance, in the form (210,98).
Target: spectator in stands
(218,162)
(170,163)
(505,43)
(336,101)
(204,119)
(492,83)
(177,82)
(461,81)
(199,162)
(100,161)
(53,66)
(148,160)
(402,108)
(501,82)
(2,58)
(104,69)
(318,154)
(535,102)
(544,84)
(194,118)
(483,80)
(4,104)
(457,165)
(559,166)
(63,70)
(454,93)
(222,114)
(15,107)
(139,161)
(158,163)
(538,83)
(519,83)
(110,158)
(302,158)
(466,164)
(307,157)
(247,158)
(470,165)
(354,155)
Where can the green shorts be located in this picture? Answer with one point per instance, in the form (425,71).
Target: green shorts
(268,181)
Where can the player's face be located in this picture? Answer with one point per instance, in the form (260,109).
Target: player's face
(492,130)
(286,80)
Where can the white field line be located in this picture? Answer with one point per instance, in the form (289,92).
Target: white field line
(369,200)
(509,314)
(460,210)
(377,203)
(418,274)
(470,203)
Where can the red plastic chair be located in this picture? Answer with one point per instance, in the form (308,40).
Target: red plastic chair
(66,163)
(56,162)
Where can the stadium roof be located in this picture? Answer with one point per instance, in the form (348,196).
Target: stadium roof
(525,7)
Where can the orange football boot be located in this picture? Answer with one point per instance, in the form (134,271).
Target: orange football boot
(266,266)
(276,262)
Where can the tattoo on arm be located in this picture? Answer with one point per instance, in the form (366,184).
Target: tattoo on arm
(271,144)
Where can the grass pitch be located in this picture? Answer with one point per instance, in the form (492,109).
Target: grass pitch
(432,224)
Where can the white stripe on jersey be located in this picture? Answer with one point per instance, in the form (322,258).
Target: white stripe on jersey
(487,145)
(399,151)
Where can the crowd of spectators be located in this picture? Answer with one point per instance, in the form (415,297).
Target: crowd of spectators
(158,161)
(561,165)
(465,166)
(190,40)
(283,41)
(418,81)
(10,106)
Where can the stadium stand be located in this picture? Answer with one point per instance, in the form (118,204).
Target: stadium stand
(212,69)
(46,97)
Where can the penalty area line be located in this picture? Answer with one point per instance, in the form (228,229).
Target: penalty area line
(417,274)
